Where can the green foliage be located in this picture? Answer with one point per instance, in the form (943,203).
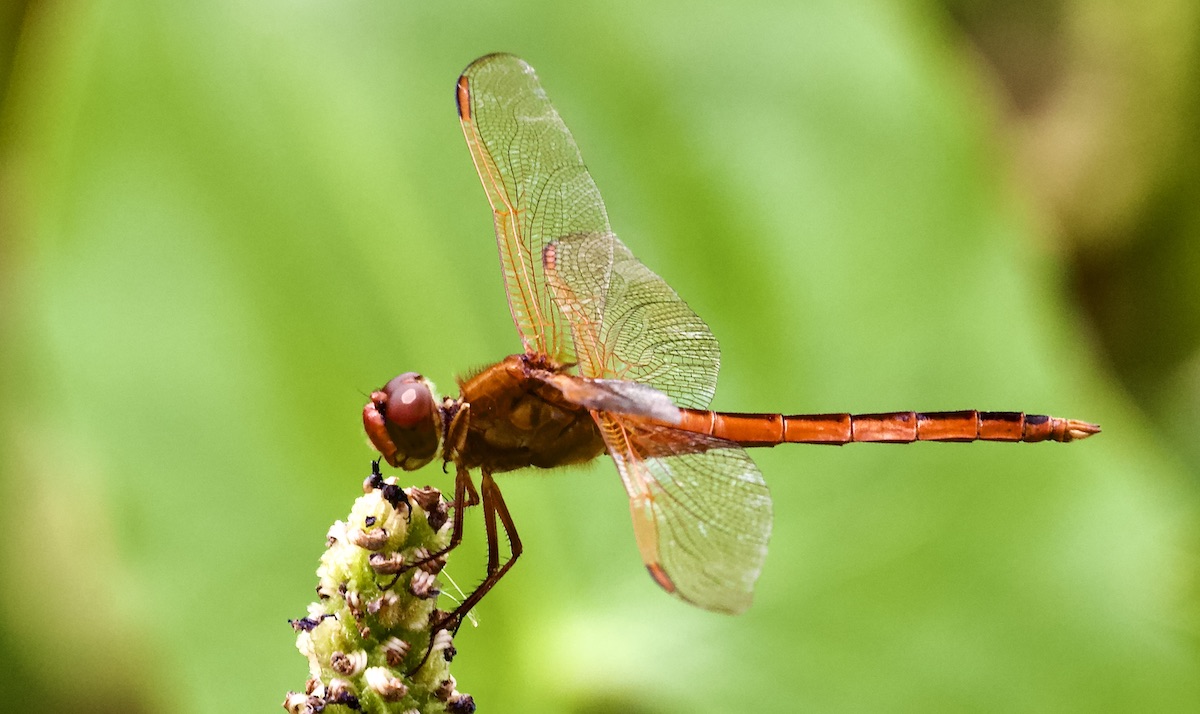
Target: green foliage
(226,223)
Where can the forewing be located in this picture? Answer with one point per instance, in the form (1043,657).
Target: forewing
(536,183)
(701,510)
(628,323)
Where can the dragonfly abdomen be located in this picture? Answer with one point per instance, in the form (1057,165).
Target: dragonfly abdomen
(890,427)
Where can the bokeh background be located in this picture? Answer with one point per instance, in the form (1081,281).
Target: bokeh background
(222,224)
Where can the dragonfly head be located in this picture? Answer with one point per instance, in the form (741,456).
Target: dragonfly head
(404,422)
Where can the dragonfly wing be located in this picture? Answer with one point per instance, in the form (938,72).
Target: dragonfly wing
(536,183)
(701,510)
(615,395)
(628,323)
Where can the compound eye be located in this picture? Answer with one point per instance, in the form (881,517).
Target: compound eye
(409,400)
(404,422)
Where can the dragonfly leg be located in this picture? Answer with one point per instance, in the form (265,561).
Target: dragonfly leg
(472,494)
(493,507)
(464,495)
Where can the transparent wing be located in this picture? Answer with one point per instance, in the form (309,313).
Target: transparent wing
(627,322)
(701,510)
(536,183)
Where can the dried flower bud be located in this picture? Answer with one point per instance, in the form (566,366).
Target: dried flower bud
(395,649)
(297,703)
(423,585)
(348,664)
(427,497)
(373,539)
(445,689)
(442,641)
(385,684)
(341,692)
(438,516)
(460,703)
(386,564)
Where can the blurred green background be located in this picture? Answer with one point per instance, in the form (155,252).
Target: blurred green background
(223,224)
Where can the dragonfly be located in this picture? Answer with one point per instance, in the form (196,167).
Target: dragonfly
(613,362)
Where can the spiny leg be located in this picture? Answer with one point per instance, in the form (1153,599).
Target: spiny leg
(493,506)
(493,541)
(472,494)
(464,495)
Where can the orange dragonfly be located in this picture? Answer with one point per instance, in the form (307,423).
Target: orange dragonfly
(613,362)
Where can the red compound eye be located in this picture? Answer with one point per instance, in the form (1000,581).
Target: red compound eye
(409,400)
(403,421)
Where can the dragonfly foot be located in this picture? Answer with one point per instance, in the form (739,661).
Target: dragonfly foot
(441,639)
